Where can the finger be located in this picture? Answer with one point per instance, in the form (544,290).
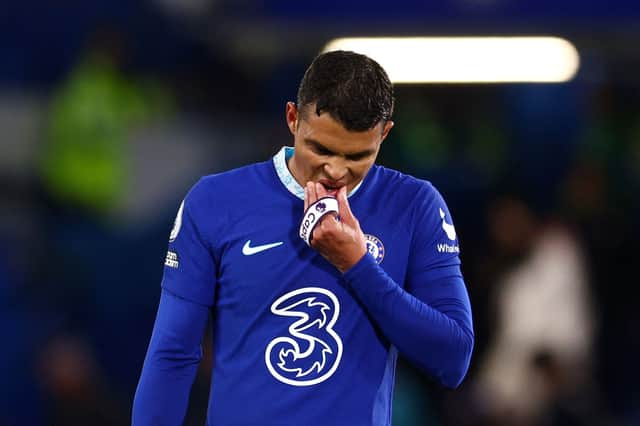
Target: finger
(329,222)
(346,214)
(320,190)
(319,232)
(311,192)
(324,231)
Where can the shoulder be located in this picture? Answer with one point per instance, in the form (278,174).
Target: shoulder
(231,181)
(417,202)
(231,186)
(401,185)
(406,197)
(217,194)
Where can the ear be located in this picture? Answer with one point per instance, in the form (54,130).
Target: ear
(291,115)
(386,129)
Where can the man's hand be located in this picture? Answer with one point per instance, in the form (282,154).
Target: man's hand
(340,241)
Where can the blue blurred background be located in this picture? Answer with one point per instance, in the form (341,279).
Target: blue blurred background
(111,110)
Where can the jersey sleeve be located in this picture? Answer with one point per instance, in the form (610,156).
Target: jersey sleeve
(429,318)
(190,266)
(434,274)
(434,246)
(171,364)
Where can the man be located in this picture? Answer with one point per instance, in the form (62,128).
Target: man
(315,266)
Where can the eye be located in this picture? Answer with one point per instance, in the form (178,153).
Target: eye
(321,150)
(357,157)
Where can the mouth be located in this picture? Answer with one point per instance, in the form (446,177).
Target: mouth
(331,187)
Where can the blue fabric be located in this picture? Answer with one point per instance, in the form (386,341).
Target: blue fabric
(432,328)
(295,341)
(171,363)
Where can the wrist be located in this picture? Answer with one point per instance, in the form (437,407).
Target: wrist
(353,261)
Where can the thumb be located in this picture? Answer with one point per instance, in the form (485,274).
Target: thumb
(346,214)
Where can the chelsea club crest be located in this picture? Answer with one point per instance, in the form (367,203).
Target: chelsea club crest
(375,247)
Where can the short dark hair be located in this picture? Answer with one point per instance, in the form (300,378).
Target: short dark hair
(353,88)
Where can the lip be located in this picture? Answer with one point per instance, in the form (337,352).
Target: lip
(331,184)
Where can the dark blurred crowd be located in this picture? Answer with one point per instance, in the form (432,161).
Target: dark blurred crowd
(541,181)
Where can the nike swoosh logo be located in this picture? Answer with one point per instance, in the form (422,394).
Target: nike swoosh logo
(247,250)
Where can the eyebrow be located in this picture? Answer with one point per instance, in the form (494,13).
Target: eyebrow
(352,156)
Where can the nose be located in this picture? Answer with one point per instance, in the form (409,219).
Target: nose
(335,168)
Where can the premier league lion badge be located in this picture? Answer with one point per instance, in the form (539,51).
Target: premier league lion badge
(375,247)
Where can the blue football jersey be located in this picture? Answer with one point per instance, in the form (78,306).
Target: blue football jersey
(293,344)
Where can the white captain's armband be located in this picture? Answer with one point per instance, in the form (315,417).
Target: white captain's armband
(314,213)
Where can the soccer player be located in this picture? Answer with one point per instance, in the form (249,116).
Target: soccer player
(317,267)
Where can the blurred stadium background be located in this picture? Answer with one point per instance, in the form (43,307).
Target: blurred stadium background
(111,110)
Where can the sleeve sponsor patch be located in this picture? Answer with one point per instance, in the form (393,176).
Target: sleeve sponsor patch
(172,259)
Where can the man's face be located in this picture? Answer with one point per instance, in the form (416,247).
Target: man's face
(326,152)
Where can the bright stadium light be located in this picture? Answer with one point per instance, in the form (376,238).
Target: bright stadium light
(468,59)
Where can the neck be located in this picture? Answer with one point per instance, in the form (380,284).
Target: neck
(291,165)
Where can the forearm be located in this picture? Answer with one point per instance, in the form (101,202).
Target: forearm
(171,363)
(436,336)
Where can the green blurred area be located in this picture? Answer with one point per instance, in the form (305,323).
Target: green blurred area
(86,160)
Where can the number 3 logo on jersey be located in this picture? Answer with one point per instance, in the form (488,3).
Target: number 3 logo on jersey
(312,350)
